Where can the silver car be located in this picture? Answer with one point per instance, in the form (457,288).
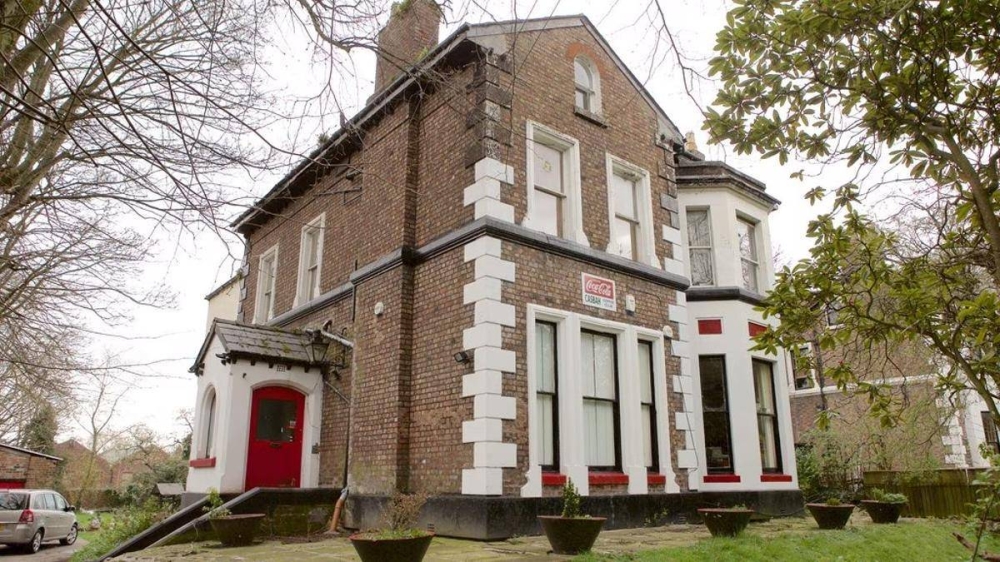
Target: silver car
(30,517)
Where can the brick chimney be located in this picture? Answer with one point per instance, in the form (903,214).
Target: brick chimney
(411,33)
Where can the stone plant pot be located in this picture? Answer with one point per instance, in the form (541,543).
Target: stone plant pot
(409,549)
(725,522)
(571,535)
(882,512)
(237,530)
(831,516)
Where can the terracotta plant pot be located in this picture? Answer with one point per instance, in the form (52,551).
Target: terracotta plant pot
(237,530)
(725,522)
(831,516)
(409,549)
(882,512)
(571,535)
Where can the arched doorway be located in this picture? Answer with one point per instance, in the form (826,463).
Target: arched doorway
(274,454)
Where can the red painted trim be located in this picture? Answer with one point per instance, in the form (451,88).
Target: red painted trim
(656,479)
(202,463)
(710,326)
(775,477)
(553,479)
(607,478)
(720,478)
(756,329)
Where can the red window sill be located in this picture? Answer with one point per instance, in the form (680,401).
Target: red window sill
(720,478)
(607,478)
(553,479)
(202,463)
(656,479)
(775,477)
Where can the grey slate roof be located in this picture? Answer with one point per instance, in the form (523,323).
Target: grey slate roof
(261,342)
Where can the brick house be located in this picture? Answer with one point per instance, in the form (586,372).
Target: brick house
(523,275)
(23,468)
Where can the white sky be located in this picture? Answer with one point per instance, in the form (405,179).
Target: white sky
(193,266)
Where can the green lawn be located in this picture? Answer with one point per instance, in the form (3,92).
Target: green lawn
(909,541)
(83,520)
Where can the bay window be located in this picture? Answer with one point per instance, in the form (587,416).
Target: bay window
(699,230)
(547,402)
(767,416)
(746,231)
(715,414)
(599,371)
(647,391)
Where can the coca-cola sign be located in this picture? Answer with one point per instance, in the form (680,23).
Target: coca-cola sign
(598,292)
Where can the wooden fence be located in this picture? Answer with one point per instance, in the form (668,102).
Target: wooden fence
(934,493)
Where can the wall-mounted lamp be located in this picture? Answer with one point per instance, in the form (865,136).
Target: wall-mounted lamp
(318,344)
(463,357)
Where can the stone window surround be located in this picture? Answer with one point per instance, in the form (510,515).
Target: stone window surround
(570,410)
(301,290)
(259,318)
(573,212)
(644,207)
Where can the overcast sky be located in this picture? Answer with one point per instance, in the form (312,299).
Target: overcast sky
(193,265)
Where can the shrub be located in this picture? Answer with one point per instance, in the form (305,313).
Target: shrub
(124,524)
(880,495)
(213,505)
(571,500)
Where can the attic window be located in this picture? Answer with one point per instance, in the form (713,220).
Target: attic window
(588,85)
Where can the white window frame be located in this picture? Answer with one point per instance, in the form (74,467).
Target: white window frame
(593,93)
(572,226)
(572,457)
(302,291)
(710,247)
(646,243)
(755,224)
(208,418)
(264,316)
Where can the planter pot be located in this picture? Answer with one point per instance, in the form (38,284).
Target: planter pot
(723,522)
(237,530)
(830,516)
(571,535)
(409,549)
(882,512)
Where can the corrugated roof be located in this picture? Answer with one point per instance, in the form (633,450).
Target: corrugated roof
(30,452)
(256,342)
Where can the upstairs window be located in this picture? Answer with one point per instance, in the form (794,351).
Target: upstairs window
(266,273)
(699,229)
(310,260)
(623,188)
(747,233)
(553,183)
(630,212)
(587,85)
(550,189)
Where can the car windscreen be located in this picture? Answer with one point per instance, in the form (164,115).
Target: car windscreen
(12,502)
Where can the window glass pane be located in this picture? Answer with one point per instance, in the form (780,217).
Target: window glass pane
(713,383)
(624,196)
(548,167)
(600,433)
(60,502)
(768,443)
(749,275)
(545,356)
(587,363)
(276,420)
(699,229)
(717,453)
(13,502)
(645,372)
(312,248)
(625,238)
(604,367)
(583,100)
(582,75)
(647,434)
(50,502)
(701,267)
(546,429)
(748,243)
(763,387)
(210,430)
(546,212)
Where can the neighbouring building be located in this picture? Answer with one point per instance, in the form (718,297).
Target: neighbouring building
(23,468)
(224,301)
(509,269)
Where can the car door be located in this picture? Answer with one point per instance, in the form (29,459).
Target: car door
(53,519)
(66,518)
(41,511)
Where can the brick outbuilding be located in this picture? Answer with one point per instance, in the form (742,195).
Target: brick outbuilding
(497,250)
(23,468)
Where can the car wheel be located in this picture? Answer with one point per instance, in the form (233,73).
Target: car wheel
(36,543)
(70,538)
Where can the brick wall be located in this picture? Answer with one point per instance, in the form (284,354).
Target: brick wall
(36,472)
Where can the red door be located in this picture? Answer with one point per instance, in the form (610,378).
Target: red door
(274,457)
(11,484)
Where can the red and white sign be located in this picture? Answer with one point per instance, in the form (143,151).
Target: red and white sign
(598,292)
